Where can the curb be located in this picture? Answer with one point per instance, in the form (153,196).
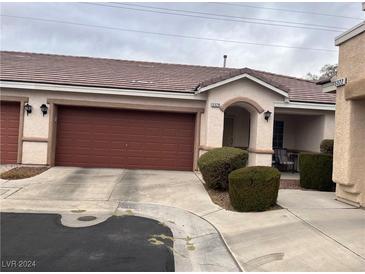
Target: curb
(220,234)
(195,214)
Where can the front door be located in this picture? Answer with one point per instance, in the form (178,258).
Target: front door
(228,132)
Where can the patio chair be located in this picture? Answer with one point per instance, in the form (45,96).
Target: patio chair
(282,161)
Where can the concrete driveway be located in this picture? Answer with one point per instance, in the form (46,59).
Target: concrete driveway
(75,184)
(69,185)
(312,232)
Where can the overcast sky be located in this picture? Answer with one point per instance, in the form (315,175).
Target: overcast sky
(46,37)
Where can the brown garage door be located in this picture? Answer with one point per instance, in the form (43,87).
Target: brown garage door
(10,113)
(99,137)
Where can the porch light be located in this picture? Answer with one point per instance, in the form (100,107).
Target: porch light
(28,108)
(267,115)
(44,109)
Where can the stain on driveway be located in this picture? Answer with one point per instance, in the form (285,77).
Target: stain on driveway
(70,184)
(39,242)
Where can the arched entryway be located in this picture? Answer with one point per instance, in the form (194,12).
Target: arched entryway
(236,130)
(240,116)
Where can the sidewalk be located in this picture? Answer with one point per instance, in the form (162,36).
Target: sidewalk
(310,239)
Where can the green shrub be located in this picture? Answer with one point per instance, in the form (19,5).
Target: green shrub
(254,188)
(216,164)
(316,171)
(327,146)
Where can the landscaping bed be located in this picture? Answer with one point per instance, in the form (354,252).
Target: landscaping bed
(22,172)
(233,186)
(221,198)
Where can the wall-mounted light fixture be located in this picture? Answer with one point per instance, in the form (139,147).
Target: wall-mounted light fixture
(44,109)
(28,108)
(267,115)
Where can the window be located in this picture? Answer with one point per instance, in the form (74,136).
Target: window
(278,134)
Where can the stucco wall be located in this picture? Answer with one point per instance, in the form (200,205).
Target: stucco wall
(34,153)
(349,150)
(261,130)
(305,132)
(329,126)
(37,126)
(352,59)
(310,133)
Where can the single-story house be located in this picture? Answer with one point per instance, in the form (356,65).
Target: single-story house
(94,112)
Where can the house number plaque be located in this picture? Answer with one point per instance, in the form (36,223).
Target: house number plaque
(340,82)
(215,105)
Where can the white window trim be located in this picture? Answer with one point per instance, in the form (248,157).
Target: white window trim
(299,105)
(245,75)
(95,90)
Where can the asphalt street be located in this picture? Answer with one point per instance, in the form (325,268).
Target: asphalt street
(39,242)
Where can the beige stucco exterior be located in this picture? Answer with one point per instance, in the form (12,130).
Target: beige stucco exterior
(260,129)
(36,127)
(248,99)
(305,129)
(349,149)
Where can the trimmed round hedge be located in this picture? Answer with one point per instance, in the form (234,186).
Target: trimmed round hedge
(327,146)
(254,188)
(316,171)
(216,164)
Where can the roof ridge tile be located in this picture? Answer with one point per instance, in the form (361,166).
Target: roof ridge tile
(113,59)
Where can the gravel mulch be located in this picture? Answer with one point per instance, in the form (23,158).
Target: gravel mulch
(22,172)
(221,198)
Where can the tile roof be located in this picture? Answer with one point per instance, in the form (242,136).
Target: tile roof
(112,73)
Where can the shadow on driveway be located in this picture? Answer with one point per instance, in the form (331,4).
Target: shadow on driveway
(39,242)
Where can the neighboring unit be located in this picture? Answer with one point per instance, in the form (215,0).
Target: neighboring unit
(349,147)
(93,112)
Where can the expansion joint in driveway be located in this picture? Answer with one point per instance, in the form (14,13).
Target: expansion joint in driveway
(324,234)
(118,180)
(214,211)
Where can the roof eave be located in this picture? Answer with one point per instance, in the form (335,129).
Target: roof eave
(306,105)
(349,34)
(101,90)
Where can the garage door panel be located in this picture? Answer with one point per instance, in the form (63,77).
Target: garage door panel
(178,140)
(98,137)
(144,154)
(154,131)
(150,146)
(185,133)
(9,122)
(117,145)
(183,148)
(169,147)
(153,146)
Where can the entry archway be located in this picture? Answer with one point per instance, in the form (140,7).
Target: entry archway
(240,122)
(236,129)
